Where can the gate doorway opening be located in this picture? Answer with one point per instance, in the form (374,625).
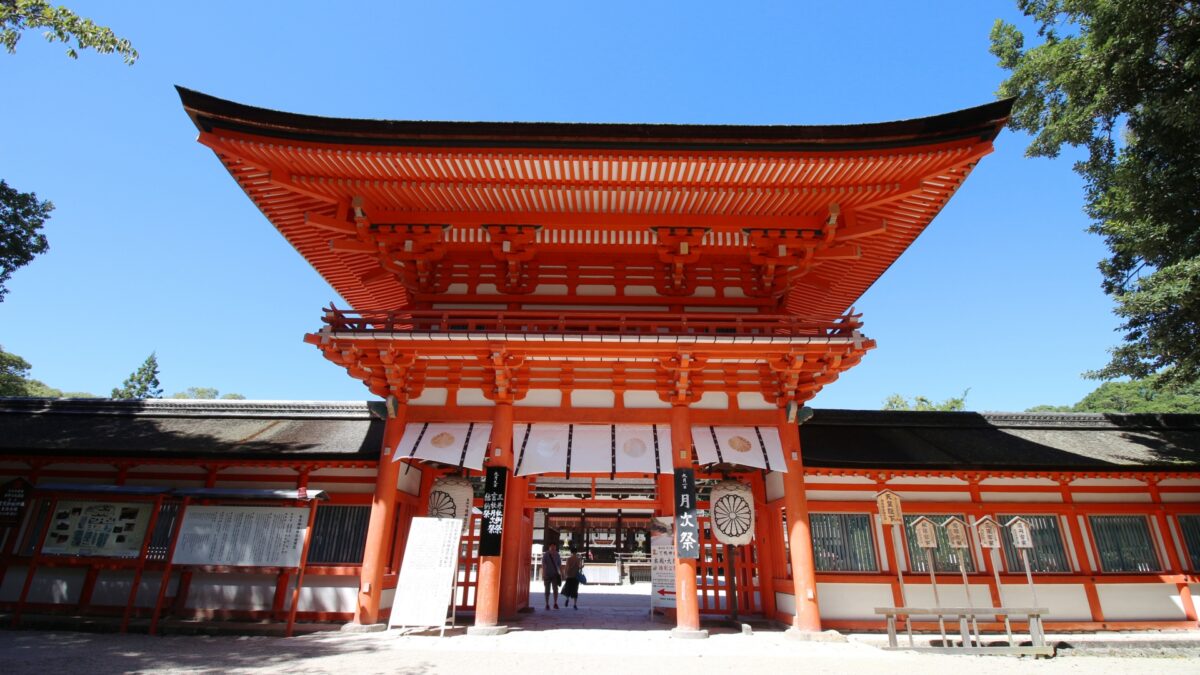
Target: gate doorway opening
(607,521)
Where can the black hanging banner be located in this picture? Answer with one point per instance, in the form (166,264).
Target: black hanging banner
(687,530)
(492,528)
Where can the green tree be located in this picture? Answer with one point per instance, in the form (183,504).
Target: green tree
(143,382)
(15,381)
(14,373)
(21,238)
(1146,395)
(62,25)
(922,403)
(22,213)
(207,393)
(1121,78)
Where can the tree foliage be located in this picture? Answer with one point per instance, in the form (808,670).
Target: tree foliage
(1121,78)
(922,403)
(142,383)
(15,380)
(207,393)
(62,25)
(1146,395)
(21,217)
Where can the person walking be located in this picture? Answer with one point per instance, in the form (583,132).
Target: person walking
(574,569)
(551,575)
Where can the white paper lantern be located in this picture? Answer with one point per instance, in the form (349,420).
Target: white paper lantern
(450,497)
(731,505)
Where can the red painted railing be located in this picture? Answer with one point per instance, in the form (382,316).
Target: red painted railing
(587,323)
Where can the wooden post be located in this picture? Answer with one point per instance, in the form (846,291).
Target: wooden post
(141,563)
(487,592)
(308,533)
(166,575)
(765,538)
(381,526)
(687,606)
(804,571)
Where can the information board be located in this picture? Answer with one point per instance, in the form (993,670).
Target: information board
(662,562)
(426,584)
(492,528)
(244,536)
(99,529)
(687,528)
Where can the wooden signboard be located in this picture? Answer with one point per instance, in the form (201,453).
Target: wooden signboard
(889,508)
(491,533)
(988,532)
(425,589)
(1019,530)
(243,536)
(687,528)
(956,532)
(100,529)
(926,532)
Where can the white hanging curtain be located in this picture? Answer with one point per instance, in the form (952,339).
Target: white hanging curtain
(757,447)
(457,444)
(591,448)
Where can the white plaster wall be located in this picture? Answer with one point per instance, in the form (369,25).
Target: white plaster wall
(926,480)
(1066,602)
(54,585)
(853,601)
(1181,497)
(963,496)
(232,591)
(432,396)
(112,588)
(774,486)
(386,598)
(593,398)
(540,398)
(1025,497)
(1140,602)
(1019,481)
(753,400)
(1101,497)
(472,397)
(408,481)
(785,603)
(644,400)
(712,400)
(328,594)
(950,591)
(840,496)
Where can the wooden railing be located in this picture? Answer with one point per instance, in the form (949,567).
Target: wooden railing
(588,323)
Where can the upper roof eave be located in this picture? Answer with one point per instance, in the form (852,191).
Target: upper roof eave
(981,122)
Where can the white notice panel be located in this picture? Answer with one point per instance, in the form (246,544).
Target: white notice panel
(423,591)
(662,562)
(248,536)
(102,529)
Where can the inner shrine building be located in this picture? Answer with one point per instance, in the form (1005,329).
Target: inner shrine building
(591,312)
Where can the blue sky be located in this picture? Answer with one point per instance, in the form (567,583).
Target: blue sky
(154,248)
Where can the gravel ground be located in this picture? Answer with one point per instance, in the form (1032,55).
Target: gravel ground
(611,633)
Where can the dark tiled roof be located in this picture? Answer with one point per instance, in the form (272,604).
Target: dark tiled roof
(831,439)
(1014,441)
(164,427)
(209,112)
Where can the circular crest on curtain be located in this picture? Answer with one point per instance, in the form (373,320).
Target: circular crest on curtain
(450,497)
(731,505)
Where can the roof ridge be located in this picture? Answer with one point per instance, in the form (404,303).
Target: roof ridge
(192,407)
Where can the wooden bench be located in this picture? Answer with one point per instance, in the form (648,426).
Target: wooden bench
(1037,635)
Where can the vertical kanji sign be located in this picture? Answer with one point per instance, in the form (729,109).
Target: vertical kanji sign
(687,530)
(492,528)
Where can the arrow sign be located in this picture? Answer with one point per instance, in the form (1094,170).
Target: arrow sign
(663,591)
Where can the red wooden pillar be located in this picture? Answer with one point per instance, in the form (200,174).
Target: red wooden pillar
(381,527)
(687,606)
(804,573)
(764,546)
(488,591)
(515,552)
